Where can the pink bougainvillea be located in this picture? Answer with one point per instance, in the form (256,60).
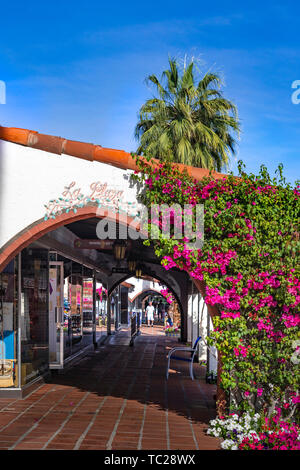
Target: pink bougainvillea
(167,295)
(249,263)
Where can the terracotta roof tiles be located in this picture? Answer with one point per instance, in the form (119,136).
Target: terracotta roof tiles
(83,150)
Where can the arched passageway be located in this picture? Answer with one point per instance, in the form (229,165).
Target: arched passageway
(40,245)
(67,317)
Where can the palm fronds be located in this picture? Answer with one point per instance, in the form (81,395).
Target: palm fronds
(188,122)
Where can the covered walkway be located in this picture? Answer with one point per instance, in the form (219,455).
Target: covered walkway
(115,398)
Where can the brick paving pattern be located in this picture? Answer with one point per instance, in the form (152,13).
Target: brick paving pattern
(115,398)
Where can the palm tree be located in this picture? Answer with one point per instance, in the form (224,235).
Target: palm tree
(187,122)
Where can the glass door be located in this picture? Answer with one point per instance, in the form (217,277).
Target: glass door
(56,314)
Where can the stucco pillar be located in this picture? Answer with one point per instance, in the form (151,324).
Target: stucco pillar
(108,324)
(94,310)
(221,401)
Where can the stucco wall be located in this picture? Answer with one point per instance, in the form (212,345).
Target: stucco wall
(29,178)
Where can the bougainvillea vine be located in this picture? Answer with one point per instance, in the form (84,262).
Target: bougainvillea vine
(249,263)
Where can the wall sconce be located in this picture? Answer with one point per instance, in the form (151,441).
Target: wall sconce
(119,250)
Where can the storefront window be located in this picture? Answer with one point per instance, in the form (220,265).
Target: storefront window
(9,326)
(76,307)
(101,310)
(87,305)
(73,310)
(34,313)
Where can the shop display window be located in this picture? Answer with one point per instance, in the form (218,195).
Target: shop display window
(34,313)
(9,325)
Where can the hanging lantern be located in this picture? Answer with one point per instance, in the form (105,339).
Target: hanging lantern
(131,265)
(119,250)
(138,271)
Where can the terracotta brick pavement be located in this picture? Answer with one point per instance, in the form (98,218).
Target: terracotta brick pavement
(115,398)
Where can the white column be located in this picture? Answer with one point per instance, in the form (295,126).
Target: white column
(189,318)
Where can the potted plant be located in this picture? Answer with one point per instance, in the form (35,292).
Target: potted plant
(173,331)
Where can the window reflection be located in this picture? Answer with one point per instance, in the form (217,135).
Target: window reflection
(34,313)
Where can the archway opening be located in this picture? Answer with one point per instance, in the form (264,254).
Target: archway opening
(63,264)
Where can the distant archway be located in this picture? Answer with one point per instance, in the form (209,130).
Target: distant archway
(163,281)
(145,291)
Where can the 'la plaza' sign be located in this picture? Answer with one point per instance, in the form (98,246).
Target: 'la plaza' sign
(100,194)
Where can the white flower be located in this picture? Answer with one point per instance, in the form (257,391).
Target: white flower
(228,444)
(239,427)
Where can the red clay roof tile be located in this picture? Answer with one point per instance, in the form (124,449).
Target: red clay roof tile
(86,151)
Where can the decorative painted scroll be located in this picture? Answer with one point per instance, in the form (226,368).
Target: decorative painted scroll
(100,194)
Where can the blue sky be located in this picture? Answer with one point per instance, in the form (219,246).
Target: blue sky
(77,69)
